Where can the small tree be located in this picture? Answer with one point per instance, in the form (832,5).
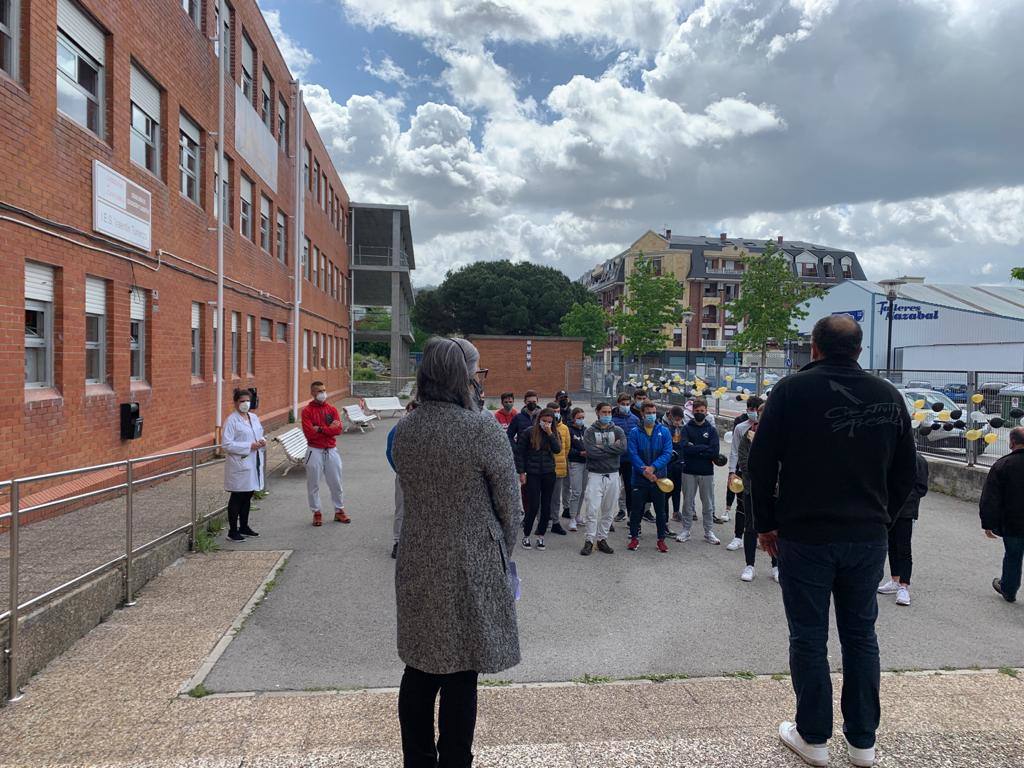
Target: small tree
(770,301)
(651,303)
(1017,273)
(589,321)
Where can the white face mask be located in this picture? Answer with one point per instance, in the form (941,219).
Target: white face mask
(321,396)
(243,407)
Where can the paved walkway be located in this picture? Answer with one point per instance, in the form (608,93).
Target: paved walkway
(112,701)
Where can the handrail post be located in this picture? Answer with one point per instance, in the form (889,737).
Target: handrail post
(195,513)
(128,587)
(13,693)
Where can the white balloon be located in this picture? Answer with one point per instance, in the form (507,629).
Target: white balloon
(728,437)
(979,416)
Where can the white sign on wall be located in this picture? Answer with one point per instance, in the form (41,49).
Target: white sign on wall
(121,208)
(254,142)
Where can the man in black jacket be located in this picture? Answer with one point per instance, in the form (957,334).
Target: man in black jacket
(832,464)
(1002,513)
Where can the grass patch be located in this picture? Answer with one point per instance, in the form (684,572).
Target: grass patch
(1009,672)
(494,683)
(743,674)
(199,691)
(658,677)
(206,542)
(592,679)
(779,676)
(215,525)
(258,495)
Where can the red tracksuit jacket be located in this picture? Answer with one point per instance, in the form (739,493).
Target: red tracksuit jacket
(316,415)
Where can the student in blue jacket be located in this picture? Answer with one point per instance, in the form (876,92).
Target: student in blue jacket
(700,448)
(650,451)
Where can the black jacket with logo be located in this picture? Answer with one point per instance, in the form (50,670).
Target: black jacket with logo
(839,443)
(1002,499)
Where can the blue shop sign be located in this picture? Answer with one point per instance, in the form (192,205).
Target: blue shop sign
(856,314)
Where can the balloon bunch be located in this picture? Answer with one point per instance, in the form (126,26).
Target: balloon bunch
(977,426)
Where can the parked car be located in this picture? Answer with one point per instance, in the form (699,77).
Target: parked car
(918,385)
(951,439)
(956,392)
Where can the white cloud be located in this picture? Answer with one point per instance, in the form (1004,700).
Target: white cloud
(298,59)
(388,71)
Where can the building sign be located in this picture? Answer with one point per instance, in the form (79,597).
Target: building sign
(906,311)
(856,314)
(120,208)
(529,355)
(254,142)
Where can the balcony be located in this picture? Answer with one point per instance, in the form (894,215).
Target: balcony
(380,257)
(712,344)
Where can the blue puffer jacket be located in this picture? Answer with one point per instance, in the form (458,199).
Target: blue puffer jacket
(700,448)
(626,423)
(654,450)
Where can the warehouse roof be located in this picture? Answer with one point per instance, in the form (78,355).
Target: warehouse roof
(998,300)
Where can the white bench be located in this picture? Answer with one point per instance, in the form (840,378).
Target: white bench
(378,404)
(295,447)
(407,390)
(358,419)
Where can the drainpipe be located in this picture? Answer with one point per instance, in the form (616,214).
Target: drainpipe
(300,236)
(218,335)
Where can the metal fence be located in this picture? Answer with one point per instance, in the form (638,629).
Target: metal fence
(398,386)
(941,401)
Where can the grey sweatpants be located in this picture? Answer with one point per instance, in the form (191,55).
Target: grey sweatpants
(577,487)
(559,498)
(602,497)
(706,485)
(328,462)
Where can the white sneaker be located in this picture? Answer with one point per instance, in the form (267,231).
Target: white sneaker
(889,588)
(775,574)
(903,596)
(862,758)
(748,574)
(572,526)
(725,516)
(812,754)
(683,536)
(710,538)
(733,545)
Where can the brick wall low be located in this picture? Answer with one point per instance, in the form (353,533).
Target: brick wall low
(505,356)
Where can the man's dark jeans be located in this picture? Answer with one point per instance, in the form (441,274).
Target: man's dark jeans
(810,574)
(1012,559)
(645,491)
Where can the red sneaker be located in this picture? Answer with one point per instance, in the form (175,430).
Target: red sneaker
(662,546)
(341,517)
(318,519)
(633,544)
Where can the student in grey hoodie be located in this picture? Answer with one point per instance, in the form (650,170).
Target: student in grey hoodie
(605,443)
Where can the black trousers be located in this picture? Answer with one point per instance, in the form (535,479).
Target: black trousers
(238,510)
(626,478)
(740,518)
(645,491)
(901,562)
(538,494)
(455,724)
(749,532)
(730,497)
(675,474)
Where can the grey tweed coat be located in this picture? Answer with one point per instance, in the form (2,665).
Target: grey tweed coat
(463,511)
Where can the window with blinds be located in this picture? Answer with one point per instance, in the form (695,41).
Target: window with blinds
(81,54)
(265,223)
(188,157)
(95,330)
(137,333)
(145,125)
(248,67)
(10,36)
(245,206)
(39,312)
(267,100)
(197,343)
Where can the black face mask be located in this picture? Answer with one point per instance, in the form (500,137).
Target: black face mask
(531,407)
(564,402)
(699,417)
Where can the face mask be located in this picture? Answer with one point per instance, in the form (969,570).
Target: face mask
(699,417)
(506,407)
(563,402)
(753,416)
(581,422)
(650,418)
(623,409)
(558,417)
(532,407)
(321,396)
(243,407)
(605,419)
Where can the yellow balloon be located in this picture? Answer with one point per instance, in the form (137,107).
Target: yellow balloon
(665,485)
(919,403)
(728,377)
(977,397)
(943,416)
(972,434)
(991,437)
(920,416)
(766,382)
(744,396)
(736,485)
(675,390)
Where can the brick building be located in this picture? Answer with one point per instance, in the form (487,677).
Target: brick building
(518,363)
(108,228)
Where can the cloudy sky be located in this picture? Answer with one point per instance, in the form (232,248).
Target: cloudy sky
(560,130)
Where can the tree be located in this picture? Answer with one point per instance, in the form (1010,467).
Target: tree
(589,321)
(1017,273)
(430,314)
(651,303)
(770,301)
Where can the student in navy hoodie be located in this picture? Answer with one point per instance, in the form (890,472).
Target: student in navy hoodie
(650,451)
(624,419)
(700,448)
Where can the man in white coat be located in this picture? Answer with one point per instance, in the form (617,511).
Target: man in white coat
(244,465)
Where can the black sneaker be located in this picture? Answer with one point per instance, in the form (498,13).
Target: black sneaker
(394,551)
(620,517)
(648,516)
(669,532)
(235,536)
(247,531)
(997,585)
(556,528)
(540,543)
(694,515)
(719,520)
(526,542)
(588,547)
(565,513)
(605,547)
(611,529)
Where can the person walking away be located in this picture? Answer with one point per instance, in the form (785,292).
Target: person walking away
(650,451)
(507,412)
(624,419)
(1002,513)
(746,506)
(535,463)
(396,527)
(673,422)
(609,383)
(901,561)
(245,463)
(605,442)
(743,422)
(321,424)
(455,604)
(561,489)
(838,445)
(700,448)
(577,467)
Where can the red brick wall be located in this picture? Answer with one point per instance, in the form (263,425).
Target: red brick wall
(506,358)
(46,168)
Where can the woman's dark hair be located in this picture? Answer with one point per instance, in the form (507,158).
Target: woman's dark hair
(838,336)
(576,410)
(536,431)
(239,393)
(446,372)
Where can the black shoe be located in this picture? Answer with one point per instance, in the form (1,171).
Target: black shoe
(556,528)
(565,513)
(669,532)
(235,536)
(588,547)
(604,547)
(611,529)
(648,516)
(719,520)
(997,585)
(526,542)
(620,517)
(394,551)
(247,531)
(694,515)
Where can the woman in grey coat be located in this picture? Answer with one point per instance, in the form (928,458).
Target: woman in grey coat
(463,509)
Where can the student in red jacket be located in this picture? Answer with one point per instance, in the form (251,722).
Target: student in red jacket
(321,424)
(507,412)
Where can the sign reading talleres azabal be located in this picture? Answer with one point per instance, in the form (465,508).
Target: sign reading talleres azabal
(121,208)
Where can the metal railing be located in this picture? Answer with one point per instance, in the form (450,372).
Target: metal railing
(379,256)
(13,518)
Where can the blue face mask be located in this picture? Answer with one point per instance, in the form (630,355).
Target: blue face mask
(581,422)
(650,418)
(605,419)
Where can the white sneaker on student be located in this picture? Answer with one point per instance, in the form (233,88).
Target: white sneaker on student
(710,538)
(812,754)
(889,588)
(735,544)
(862,758)
(683,536)
(572,526)
(903,596)
(748,574)
(775,574)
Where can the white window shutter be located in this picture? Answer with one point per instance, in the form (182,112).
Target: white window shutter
(145,94)
(248,56)
(95,296)
(195,314)
(80,28)
(138,303)
(38,281)
(246,190)
(234,322)
(189,128)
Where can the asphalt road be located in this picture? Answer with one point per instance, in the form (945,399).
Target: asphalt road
(330,621)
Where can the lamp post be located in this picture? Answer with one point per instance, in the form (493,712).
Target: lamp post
(891,293)
(687,316)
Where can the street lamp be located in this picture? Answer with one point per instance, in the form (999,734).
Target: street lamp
(687,316)
(891,293)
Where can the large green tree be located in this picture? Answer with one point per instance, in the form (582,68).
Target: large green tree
(770,302)
(1017,273)
(589,321)
(499,297)
(651,303)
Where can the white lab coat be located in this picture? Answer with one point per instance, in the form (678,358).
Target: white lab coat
(241,472)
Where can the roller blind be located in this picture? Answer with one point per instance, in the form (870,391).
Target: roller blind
(265,206)
(95,296)
(38,281)
(189,128)
(80,28)
(138,304)
(246,189)
(248,55)
(145,94)
(195,315)
(234,322)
